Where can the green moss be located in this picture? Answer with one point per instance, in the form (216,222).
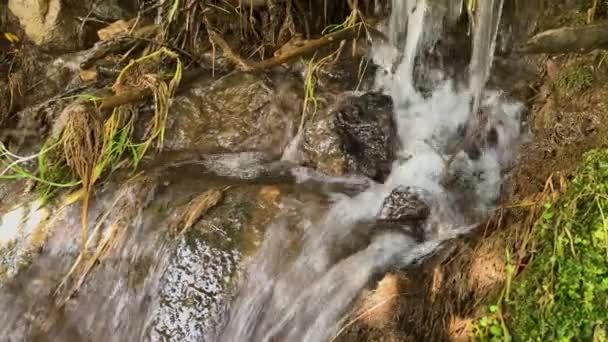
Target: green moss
(562,295)
(575,79)
(573,18)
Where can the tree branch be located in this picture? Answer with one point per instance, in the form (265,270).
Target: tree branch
(568,39)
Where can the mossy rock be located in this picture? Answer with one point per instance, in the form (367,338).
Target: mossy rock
(562,295)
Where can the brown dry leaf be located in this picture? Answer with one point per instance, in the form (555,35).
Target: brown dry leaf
(88,75)
(198,207)
(115,29)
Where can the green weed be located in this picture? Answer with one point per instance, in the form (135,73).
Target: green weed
(562,295)
(575,79)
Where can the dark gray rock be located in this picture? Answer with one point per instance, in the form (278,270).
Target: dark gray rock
(405,204)
(406,209)
(356,136)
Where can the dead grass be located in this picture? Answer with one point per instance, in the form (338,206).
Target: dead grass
(378,307)
(108,231)
(85,145)
(82,147)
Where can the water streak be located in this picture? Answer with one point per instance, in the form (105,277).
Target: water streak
(488,17)
(310,270)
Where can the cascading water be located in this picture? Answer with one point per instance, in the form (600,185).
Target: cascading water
(484,45)
(291,294)
(315,261)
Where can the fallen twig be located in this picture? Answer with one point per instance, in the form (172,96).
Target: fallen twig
(104,48)
(309,47)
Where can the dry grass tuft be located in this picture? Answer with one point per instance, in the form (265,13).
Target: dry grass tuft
(378,308)
(82,147)
(145,73)
(108,232)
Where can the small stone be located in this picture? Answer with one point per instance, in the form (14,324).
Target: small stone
(404,204)
(88,75)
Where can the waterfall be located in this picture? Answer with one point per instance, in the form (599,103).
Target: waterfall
(485,32)
(306,295)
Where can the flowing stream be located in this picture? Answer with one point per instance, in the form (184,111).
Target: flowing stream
(311,262)
(306,294)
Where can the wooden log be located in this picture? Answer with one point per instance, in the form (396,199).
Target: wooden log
(568,39)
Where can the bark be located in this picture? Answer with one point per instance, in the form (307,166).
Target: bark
(569,39)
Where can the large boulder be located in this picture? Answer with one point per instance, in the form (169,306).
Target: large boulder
(167,271)
(238,112)
(355,136)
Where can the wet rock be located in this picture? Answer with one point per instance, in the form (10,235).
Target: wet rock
(198,285)
(148,282)
(407,209)
(358,135)
(238,112)
(404,204)
(194,296)
(23,232)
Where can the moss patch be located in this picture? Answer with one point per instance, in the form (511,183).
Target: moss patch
(575,79)
(562,295)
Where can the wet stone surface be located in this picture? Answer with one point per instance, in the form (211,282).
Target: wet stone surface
(194,296)
(404,204)
(356,136)
(238,112)
(198,284)
(406,209)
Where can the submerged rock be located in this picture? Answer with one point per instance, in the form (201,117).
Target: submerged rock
(407,209)
(357,135)
(197,287)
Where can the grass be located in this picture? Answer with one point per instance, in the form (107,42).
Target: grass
(311,102)
(568,276)
(562,293)
(575,79)
(86,147)
(51,173)
(492,327)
